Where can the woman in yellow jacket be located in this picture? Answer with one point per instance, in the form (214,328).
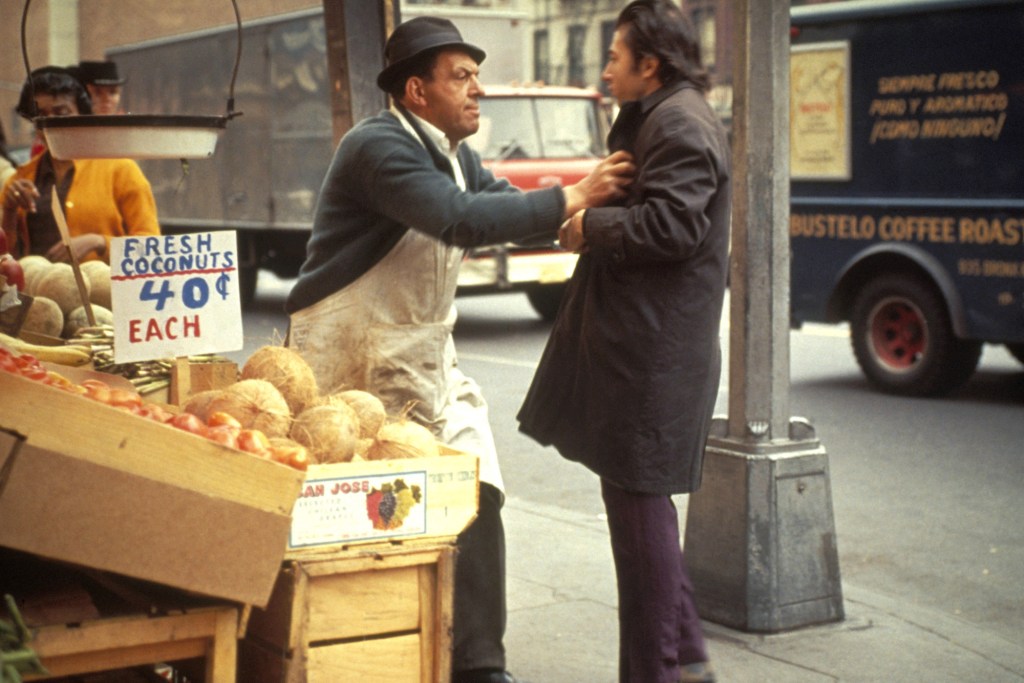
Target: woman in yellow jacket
(101,198)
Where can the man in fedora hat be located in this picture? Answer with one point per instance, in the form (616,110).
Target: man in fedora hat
(103,84)
(373,307)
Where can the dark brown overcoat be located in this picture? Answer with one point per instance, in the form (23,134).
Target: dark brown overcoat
(628,380)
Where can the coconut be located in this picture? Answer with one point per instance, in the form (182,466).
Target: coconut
(58,283)
(329,432)
(256,404)
(287,371)
(77,319)
(44,317)
(98,275)
(33,266)
(199,404)
(403,439)
(363,447)
(368,407)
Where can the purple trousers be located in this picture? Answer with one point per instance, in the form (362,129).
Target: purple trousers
(659,629)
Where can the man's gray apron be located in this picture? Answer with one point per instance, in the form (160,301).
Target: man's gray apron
(390,333)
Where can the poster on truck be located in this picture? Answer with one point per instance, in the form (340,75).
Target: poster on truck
(819,136)
(175,295)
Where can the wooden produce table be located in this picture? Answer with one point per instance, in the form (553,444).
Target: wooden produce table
(380,613)
(209,633)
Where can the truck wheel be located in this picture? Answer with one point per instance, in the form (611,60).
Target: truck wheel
(546,299)
(903,339)
(1017,351)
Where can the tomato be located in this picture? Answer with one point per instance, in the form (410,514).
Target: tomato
(124,398)
(27,360)
(7,362)
(59,381)
(221,419)
(154,412)
(34,372)
(254,441)
(224,435)
(97,390)
(299,458)
(189,423)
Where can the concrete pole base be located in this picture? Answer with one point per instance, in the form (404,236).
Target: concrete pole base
(760,535)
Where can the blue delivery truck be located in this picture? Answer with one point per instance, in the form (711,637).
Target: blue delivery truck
(907,194)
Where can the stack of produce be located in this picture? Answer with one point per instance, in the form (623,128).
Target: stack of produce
(275,410)
(278,394)
(57,309)
(219,427)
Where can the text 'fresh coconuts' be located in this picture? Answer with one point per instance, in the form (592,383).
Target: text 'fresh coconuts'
(256,404)
(329,432)
(286,370)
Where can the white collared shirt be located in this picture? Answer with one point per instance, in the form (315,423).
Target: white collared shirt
(442,142)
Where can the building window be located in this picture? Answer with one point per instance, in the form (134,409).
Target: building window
(541,56)
(577,63)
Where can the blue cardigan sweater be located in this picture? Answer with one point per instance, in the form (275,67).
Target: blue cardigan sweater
(382,182)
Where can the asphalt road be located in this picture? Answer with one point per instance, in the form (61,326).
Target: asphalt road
(927,493)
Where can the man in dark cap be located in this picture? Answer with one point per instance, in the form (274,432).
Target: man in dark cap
(103,84)
(373,307)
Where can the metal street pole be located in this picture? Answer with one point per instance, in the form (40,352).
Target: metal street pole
(760,537)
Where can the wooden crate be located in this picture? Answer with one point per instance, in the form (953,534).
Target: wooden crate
(372,613)
(207,633)
(95,486)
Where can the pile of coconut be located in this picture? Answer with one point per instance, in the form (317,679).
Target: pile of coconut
(277,393)
(57,309)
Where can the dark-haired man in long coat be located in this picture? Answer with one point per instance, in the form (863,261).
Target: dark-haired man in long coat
(628,381)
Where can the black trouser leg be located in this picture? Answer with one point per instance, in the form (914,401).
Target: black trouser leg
(480,613)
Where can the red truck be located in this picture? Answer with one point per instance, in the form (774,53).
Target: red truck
(535,136)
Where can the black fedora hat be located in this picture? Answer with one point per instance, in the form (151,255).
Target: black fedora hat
(415,37)
(98,73)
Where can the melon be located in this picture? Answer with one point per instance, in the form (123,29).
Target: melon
(98,275)
(58,283)
(44,317)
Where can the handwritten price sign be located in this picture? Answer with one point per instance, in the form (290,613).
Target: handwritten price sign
(175,295)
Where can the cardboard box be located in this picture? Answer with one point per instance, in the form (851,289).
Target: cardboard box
(379,613)
(95,486)
(340,504)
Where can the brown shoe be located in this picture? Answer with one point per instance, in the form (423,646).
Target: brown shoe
(698,672)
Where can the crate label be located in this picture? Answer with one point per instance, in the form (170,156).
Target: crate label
(343,509)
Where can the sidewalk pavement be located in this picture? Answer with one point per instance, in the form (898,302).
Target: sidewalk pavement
(562,622)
